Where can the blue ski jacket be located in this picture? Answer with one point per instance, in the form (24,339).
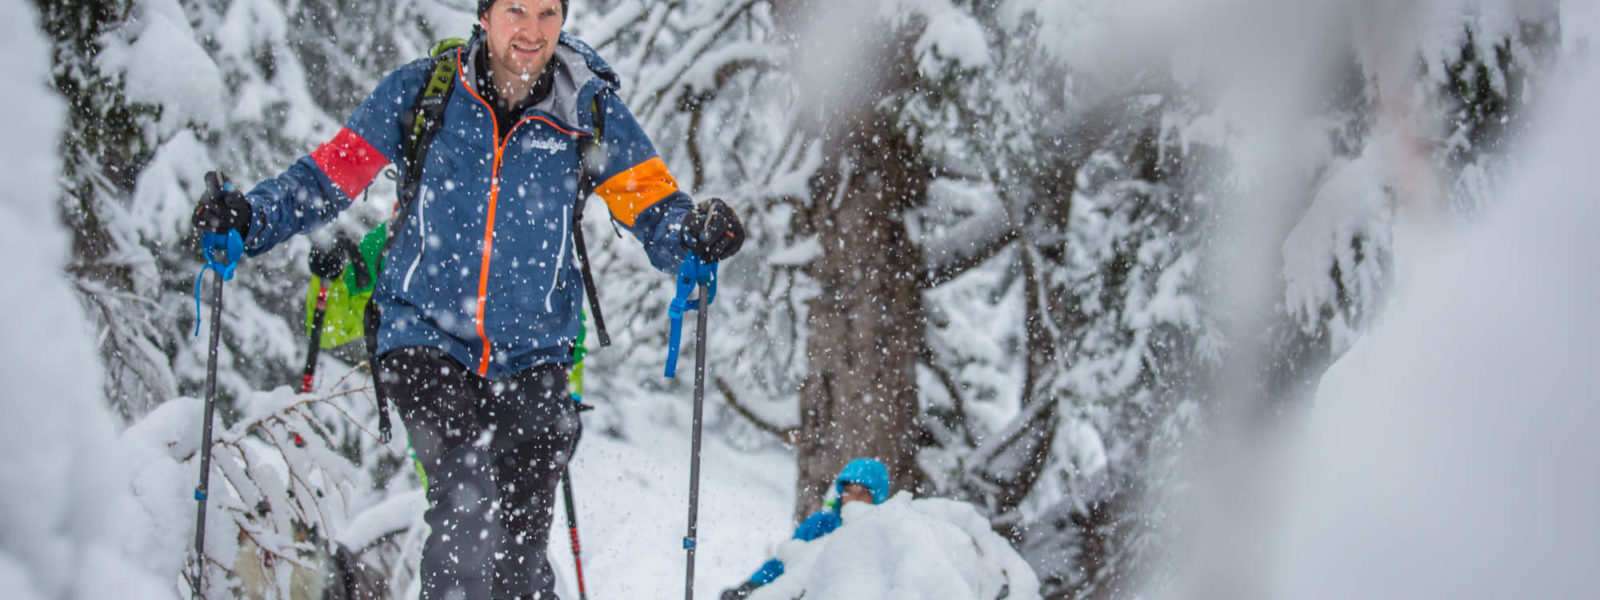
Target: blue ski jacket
(863,471)
(484,266)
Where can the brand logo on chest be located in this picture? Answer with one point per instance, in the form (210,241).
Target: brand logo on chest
(547,144)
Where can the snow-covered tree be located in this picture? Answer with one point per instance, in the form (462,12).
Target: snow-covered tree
(64,493)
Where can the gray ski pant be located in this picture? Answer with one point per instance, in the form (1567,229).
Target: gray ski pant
(493,452)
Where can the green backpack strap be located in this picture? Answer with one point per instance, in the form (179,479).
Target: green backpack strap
(426,118)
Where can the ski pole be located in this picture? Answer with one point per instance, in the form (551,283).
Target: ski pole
(693,275)
(317,320)
(327,264)
(232,248)
(572,530)
(694,452)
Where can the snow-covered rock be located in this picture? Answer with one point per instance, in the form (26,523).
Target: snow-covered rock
(904,549)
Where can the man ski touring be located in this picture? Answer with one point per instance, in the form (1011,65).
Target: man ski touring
(478,300)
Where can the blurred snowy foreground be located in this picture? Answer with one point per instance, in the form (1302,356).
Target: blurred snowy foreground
(1452,453)
(63,499)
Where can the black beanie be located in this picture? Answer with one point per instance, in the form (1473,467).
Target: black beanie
(483,7)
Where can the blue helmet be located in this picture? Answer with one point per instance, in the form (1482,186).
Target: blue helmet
(868,472)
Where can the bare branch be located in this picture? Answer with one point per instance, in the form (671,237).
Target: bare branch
(1007,467)
(967,245)
(692,139)
(788,435)
(976,240)
(655,89)
(615,24)
(951,387)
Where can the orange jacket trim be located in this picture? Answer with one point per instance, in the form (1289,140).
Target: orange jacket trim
(488,227)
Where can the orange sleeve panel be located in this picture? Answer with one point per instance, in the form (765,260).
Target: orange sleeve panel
(632,191)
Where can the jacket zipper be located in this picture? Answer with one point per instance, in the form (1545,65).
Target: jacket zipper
(494,197)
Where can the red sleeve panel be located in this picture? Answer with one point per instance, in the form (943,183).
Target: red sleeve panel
(350,162)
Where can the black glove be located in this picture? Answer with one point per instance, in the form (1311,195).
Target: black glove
(712,231)
(219,211)
(739,593)
(328,263)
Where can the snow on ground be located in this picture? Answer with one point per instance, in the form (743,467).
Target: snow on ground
(904,549)
(63,492)
(632,496)
(632,499)
(1452,452)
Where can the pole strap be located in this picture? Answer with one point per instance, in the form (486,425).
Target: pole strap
(385,429)
(233,248)
(370,321)
(691,274)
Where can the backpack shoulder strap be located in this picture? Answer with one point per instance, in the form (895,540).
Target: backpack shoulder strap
(417,129)
(586,171)
(426,118)
(589,152)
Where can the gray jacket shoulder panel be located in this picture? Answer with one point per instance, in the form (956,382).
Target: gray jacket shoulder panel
(579,74)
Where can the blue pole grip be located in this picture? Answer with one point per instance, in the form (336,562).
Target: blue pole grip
(692,273)
(232,247)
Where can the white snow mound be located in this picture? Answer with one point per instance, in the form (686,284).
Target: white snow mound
(904,549)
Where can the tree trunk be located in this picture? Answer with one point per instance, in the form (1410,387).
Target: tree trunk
(860,395)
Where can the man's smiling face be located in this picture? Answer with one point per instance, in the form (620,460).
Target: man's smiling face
(522,37)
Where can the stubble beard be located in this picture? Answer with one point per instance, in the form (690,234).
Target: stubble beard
(517,76)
